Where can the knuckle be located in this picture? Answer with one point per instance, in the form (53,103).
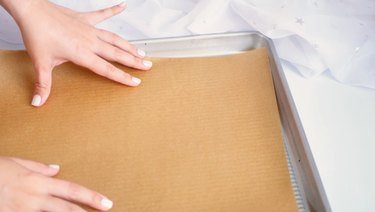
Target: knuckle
(135,62)
(36,179)
(79,54)
(76,44)
(94,197)
(127,78)
(96,47)
(129,46)
(42,85)
(31,176)
(77,50)
(73,191)
(72,208)
(80,45)
(138,61)
(131,60)
(117,55)
(35,203)
(109,70)
(113,38)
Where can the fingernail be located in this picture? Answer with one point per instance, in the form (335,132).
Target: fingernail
(106,203)
(136,80)
(147,63)
(141,53)
(37,99)
(123,4)
(54,166)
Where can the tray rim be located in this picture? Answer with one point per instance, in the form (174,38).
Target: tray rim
(297,144)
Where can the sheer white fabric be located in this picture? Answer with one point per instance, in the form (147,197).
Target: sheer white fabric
(314,35)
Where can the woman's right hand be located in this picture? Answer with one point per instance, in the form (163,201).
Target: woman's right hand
(29,186)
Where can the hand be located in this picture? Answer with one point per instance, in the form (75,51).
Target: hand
(53,35)
(29,186)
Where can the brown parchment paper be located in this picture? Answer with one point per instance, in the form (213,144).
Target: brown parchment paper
(199,134)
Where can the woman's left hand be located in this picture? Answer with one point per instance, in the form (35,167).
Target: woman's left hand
(53,35)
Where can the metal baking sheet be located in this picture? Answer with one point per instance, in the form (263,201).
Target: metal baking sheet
(307,186)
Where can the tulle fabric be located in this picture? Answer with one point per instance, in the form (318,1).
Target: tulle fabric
(315,36)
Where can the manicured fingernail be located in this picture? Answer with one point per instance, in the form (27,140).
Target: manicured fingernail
(136,80)
(141,53)
(123,4)
(37,99)
(54,166)
(106,203)
(147,63)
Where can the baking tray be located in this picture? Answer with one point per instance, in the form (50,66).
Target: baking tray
(306,183)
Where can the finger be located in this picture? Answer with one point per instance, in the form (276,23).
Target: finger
(43,84)
(105,69)
(47,170)
(76,193)
(112,53)
(119,42)
(56,204)
(103,14)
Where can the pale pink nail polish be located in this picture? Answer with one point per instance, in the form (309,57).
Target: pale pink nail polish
(136,80)
(37,100)
(106,203)
(54,166)
(147,63)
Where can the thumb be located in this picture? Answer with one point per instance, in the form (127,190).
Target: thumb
(43,84)
(47,170)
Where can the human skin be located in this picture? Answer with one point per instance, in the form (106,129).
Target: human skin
(54,35)
(29,186)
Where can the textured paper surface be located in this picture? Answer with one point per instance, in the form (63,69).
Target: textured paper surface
(199,134)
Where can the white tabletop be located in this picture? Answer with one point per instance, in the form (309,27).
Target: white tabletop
(339,122)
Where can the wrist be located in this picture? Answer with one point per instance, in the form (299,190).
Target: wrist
(17,8)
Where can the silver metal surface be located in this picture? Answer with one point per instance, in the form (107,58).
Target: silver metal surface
(307,186)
